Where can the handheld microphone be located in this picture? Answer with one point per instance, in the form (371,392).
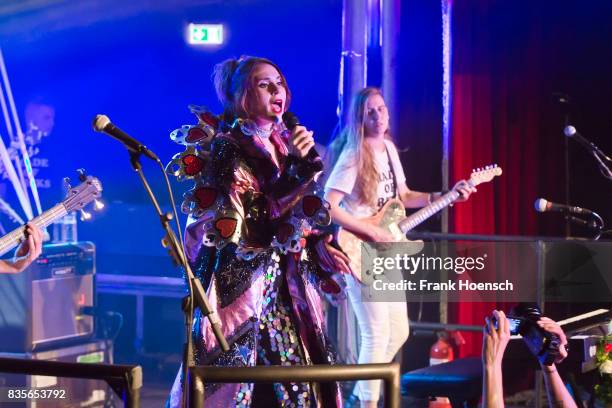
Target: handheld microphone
(542,205)
(102,123)
(291,121)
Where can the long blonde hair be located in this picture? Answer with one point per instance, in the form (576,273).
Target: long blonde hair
(352,138)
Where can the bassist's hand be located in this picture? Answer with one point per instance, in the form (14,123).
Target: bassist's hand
(464,190)
(30,249)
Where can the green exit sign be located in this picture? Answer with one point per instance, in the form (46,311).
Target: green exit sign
(205,34)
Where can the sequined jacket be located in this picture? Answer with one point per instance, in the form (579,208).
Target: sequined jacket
(246,215)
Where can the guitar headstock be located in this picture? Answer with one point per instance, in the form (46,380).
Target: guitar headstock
(78,197)
(484,174)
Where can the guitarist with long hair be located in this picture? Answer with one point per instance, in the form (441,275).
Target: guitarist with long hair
(367,173)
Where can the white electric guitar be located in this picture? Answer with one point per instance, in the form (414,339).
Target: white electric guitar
(392,217)
(77,198)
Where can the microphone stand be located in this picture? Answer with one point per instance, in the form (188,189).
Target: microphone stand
(598,154)
(196,291)
(564,103)
(603,167)
(596,224)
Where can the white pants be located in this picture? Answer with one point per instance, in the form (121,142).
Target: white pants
(383,328)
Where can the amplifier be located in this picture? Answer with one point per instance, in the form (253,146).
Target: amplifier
(75,392)
(42,306)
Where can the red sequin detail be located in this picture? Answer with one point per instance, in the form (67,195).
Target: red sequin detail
(193,164)
(195,134)
(226,226)
(209,119)
(330,286)
(205,196)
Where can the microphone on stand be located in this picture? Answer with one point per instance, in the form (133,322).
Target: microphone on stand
(597,223)
(572,133)
(291,121)
(543,205)
(102,123)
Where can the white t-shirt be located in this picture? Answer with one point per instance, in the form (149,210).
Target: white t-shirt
(344,175)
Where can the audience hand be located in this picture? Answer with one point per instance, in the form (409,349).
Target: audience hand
(553,327)
(495,339)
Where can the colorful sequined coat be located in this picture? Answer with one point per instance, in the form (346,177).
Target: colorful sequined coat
(250,221)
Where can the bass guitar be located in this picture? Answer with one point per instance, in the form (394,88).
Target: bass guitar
(77,198)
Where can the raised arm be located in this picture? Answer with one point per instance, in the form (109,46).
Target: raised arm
(496,335)
(558,395)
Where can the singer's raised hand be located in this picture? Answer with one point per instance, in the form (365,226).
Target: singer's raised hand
(301,141)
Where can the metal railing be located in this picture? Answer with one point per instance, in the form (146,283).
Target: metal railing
(125,380)
(389,373)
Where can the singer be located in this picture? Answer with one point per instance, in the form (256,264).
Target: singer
(367,173)
(251,240)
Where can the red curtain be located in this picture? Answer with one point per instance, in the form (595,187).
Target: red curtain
(498,95)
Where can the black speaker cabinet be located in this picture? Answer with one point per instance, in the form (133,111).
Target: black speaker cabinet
(42,306)
(70,392)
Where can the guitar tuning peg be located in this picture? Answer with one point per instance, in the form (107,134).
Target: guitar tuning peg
(66,182)
(98,205)
(85,215)
(82,175)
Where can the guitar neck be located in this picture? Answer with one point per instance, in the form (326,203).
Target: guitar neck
(426,212)
(13,238)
